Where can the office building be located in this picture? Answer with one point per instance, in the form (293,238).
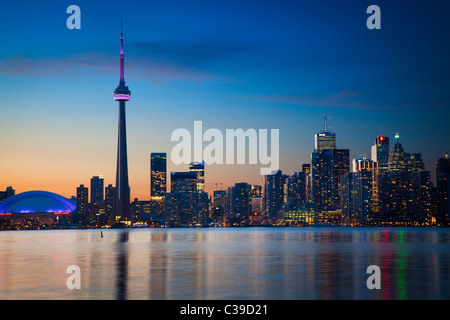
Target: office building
(199,169)
(158,182)
(372,166)
(219,204)
(273,194)
(9,192)
(324,141)
(240,204)
(443,190)
(110,198)
(185,205)
(96,189)
(296,188)
(82,204)
(347,214)
(341,166)
(158,175)
(380,152)
(322,181)
(404,190)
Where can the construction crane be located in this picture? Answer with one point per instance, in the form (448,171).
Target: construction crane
(216,183)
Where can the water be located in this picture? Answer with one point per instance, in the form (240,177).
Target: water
(225,263)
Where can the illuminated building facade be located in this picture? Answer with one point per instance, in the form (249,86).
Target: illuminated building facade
(347,213)
(199,169)
(324,141)
(110,199)
(82,200)
(372,166)
(219,204)
(185,205)
(158,182)
(294,214)
(273,194)
(341,166)
(158,179)
(296,188)
(380,152)
(240,203)
(34,209)
(97,189)
(357,193)
(405,189)
(322,180)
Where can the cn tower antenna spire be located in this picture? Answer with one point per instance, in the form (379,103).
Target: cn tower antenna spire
(121,92)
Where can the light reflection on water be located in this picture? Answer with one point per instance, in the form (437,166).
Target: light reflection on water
(241,263)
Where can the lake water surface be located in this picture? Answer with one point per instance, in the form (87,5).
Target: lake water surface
(226,263)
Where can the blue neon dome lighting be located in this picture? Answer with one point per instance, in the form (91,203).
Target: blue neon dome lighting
(37,201)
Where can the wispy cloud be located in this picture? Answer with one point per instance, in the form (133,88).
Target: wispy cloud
(70,66)
(347,99)
(163,60)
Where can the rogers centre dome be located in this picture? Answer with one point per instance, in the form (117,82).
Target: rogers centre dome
(34,202)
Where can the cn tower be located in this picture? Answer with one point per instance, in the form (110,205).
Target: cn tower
(122,94)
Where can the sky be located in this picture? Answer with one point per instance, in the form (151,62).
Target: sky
(230,64)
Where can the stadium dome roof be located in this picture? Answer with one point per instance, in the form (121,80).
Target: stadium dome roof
(37,201)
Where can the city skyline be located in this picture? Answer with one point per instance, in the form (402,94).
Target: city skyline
(50,146)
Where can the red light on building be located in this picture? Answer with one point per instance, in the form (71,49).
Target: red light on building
(381,140)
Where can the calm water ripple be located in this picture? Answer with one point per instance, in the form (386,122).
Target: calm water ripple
(218,263)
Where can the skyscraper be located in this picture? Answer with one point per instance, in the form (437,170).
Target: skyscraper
(158,182)
(158,169)
(380,152)
(122,94)
(443,189)
(183,181)
(324,141)
(398,158)
(341,166)
(347,216)
(96,189)
(404,189)
(110,199)
(219,204)
(273,194)
(404,197)
(322,180)
(199,169)
(240,202)
(363,196)
(82,204)
(372,166)
(185,204)
(306,168)
(296,188)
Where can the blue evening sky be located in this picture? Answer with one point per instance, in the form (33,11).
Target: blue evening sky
(232,64)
